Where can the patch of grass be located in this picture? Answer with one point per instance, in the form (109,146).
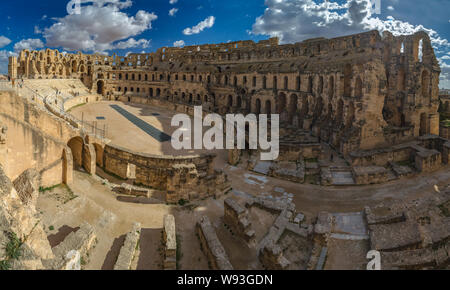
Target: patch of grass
(13,247)
(71,196)
(77,106)
(446,123)
(312,179)
(51,228)
(445,209)
(312,160)
(408,163)
(13,251)
(45,189)
(182,202)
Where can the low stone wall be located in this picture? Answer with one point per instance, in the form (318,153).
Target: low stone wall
(444,131)
(428,161)
(272,258)
(74,248)
(75,101)
(382,157)
(128,249)
(364,175)
(127,189)
(236,217)
(170,243)
(211,246)
(183,177)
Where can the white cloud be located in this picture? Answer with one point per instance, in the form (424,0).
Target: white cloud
(4,55)
(131,43)
(207,23)
(173,11)
(4,41)
(30,44)
(173,1)
(98,26)
(179,43)
(390,8)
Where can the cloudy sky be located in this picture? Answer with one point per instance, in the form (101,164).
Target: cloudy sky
(124,26)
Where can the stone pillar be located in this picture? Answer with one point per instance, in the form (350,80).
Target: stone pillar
(234,156)
(433,124)
(89,159)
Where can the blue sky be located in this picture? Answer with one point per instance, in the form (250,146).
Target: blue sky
(124,26)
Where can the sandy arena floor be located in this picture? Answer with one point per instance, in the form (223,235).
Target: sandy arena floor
(124,133)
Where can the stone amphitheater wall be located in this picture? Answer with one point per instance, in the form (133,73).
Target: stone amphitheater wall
(34,139)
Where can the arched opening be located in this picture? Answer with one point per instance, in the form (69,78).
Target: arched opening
(286,83)
(292,109)
(268,107)
(76,146)
(310,84)
(340,113)
(331,87)
(401,79)
(351,114)
(423,124)
(321,85)
(239,102)
(358,87)
(99,154)
(425,84)
(100,88)
(318,109)
(282,102)
(230,101)
(347,80)
(258,106)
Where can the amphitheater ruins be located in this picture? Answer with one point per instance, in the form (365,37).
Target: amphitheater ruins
(89,179)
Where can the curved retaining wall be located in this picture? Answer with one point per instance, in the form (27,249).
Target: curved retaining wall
(182,177)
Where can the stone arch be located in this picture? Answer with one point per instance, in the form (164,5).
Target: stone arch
(258,106)
(321,85)
(340,112)
(425,84)
(67,166)
(310,84)
(350,114)
(101,87)
(423,129)
(99,154)
(76,146)
(268,107)
(282,103)
(347,80)
(331,87)
(401,79)
(230,101)
(358,87)
(292,107)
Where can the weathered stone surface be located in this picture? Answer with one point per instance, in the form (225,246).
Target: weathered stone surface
(211,246)
(128,249)
(170,242)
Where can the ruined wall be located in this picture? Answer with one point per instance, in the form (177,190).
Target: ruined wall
(211,246)
(35,138)
(357,92)
(181,177)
